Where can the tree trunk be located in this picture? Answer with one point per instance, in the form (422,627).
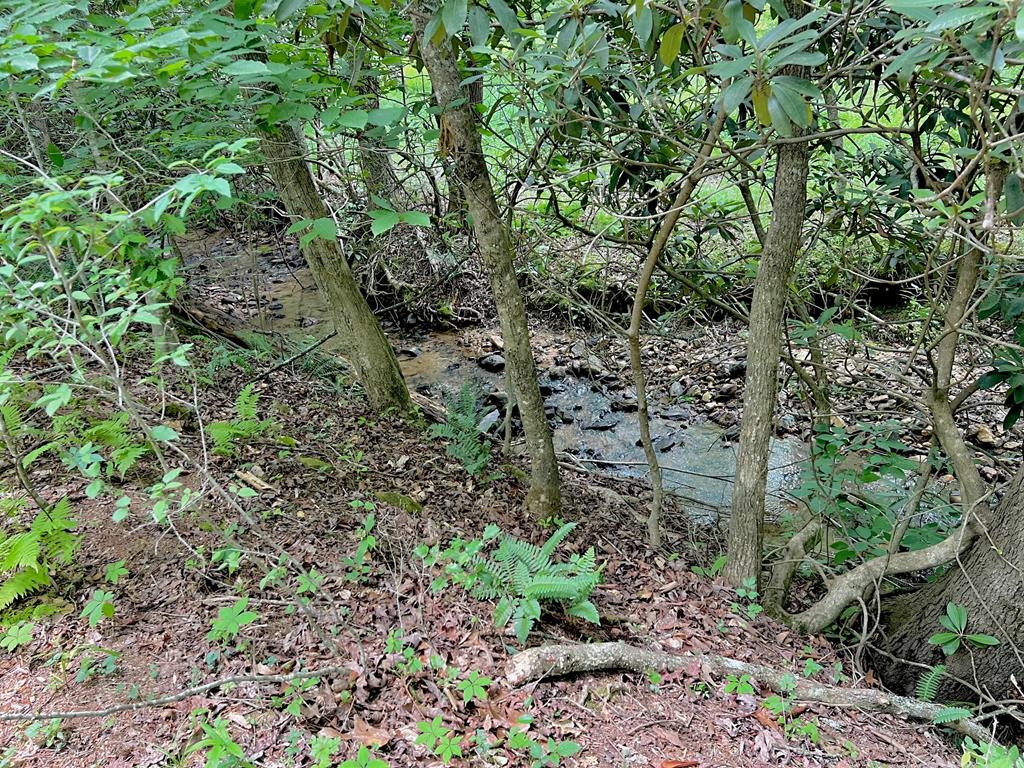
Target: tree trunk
(363,342)
(466,151)
(988,580)
(379,177)
(764,351)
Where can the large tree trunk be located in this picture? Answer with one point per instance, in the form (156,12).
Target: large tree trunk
(466,151)
(764,350)
(988,580)
(363,342)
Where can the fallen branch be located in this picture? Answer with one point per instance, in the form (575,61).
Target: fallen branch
(288,361)
(558,660)
(160,701)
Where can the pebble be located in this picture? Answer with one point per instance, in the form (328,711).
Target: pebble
(983,435)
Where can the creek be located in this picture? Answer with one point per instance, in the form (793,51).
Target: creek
(592,418)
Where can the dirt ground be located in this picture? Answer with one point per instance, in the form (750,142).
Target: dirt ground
(397,648)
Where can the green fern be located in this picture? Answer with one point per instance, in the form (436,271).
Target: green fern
(928,683)
(465,441)
(22,584)
(28,557)
(951,715)
(114,434)
(246,426)
(522,576)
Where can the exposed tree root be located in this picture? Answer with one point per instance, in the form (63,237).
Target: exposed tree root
(557,660)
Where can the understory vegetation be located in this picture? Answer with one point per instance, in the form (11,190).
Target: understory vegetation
(511,382)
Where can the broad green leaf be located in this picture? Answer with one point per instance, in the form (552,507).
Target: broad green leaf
(643,24)
(1014,193)
(505,15)
(453,16)
(54,400)
(288,8)
(798,110)
(671,42)
(21,62)
(247,68)
(416,218)
(385,115)
(957,616)
(780,120)
(736,93)
(960,16)
(760,94)
(163,434)
(383,221)
(479,25)
(587,611)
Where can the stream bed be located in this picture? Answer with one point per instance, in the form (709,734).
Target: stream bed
(593,418)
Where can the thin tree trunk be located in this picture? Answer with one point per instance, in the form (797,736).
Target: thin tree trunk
(764,348)
(633,334)
(379,177)
(363,342)
(470,167)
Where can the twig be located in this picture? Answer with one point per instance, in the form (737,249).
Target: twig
(169,698)
(293,358)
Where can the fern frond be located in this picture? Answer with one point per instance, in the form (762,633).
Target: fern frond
(552,588)
(587,561)
(22,583)
(951,715)
(125,458)
(19,551)
(928,683)
(246,403)
(111,432)
(31,456)
(223,434)
(13,417)
(547,551)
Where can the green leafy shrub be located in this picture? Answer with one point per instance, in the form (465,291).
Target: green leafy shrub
(246,426)
(521,576)
(465,440)
(987,755)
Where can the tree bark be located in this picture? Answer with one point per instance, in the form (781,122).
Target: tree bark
(470,168)
(363,342)
(764,351)
(988,580)
(379,177)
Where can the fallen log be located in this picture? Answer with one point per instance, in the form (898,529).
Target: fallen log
(559,660)
(215,321)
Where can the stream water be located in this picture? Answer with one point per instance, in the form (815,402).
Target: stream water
(698,457)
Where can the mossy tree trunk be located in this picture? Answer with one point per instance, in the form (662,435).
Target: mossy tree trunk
(363,342)
(462,140)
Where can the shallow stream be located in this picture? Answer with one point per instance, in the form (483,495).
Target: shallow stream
(594,424)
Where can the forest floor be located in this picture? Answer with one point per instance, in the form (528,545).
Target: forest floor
(398,649)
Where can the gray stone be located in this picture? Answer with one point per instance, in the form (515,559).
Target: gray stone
(494,363)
